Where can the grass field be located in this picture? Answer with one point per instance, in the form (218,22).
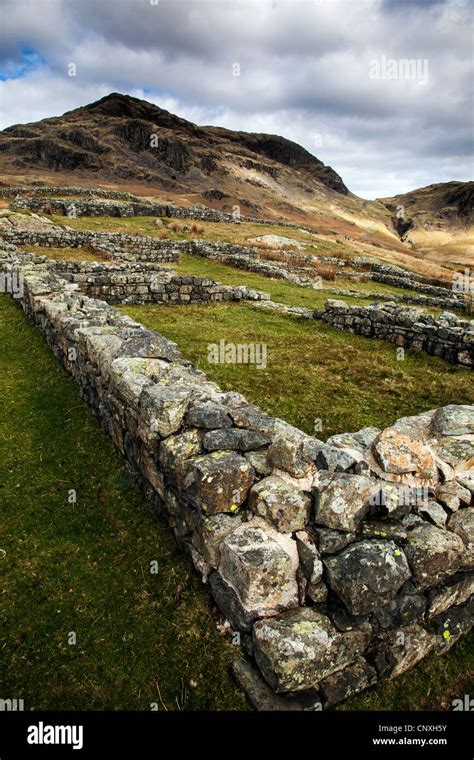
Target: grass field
(85,567)
(313,371)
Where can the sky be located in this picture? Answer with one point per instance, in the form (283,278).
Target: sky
(381,90)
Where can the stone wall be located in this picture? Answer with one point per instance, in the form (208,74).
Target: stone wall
(445,336)
(87,192)
(149,283)
(114,245)
(147,248)
(339,563)
(137,207)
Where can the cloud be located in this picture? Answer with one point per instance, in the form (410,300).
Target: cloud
(304,73)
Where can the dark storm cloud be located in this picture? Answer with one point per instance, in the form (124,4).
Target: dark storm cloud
(304,73)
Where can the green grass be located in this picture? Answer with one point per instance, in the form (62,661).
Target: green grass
(63,254)
(279,290)
(313,371)
(84,567)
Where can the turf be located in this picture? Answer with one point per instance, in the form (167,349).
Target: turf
(313,372)
(142,638)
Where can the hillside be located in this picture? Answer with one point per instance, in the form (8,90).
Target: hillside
(130,144)
(437,220)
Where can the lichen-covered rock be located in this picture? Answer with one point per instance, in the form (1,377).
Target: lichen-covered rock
(162,409)
(129,376)
(454,592)
(402,648)
(209,533)
(453,623)
(336,459)
(403,610)
(260,565)
(280,504)
(451,494)
(342,500)
(208,414)
(347,682)
(310,561)
(367,574)
(454,419)
(175,449)
(235,439)
(462,524)
(387,529)
(259,462)
(292,450)
(398,454)
(297,649)
(434,512)
(217,482)
(332,541)
(458,453)
(432,554)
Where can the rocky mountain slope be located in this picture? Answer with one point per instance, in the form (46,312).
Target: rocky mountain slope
(125,143)
(437,220)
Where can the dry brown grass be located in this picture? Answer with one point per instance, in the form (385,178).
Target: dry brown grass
(326,271)
(197,229)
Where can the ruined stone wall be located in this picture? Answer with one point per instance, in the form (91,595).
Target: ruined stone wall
(137,207)
(8,191)
(339,563)
(149,283)
(114,245)
(445,336)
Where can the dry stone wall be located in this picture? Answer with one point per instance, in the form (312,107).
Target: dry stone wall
(339,563)
(445,336)
(136,207)
(113,245)
(149,283)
